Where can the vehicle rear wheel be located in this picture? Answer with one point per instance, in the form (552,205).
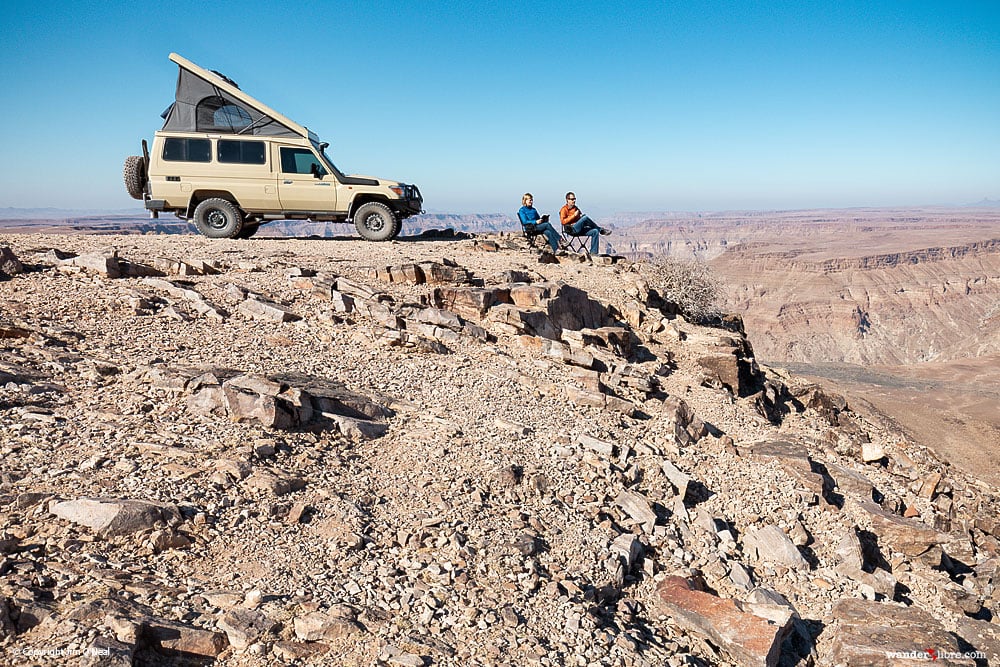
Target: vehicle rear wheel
(218,219)
(134,174)
(375,222)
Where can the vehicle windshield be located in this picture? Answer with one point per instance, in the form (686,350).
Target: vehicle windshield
(329,163)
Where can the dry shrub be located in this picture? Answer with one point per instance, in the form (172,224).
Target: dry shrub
(689,283)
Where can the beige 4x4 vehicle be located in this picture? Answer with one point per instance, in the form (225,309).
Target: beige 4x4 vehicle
(231,164)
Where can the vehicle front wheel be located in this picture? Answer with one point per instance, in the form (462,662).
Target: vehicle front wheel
(218,219)
(375,222)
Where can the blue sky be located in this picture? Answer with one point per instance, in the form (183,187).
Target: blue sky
(638,107)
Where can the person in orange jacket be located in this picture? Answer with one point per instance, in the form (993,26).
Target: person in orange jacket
(575,223)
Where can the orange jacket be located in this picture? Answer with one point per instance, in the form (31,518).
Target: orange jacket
(567,215)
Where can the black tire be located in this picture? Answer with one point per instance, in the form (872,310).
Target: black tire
(134,174)
(397,228)
(248,231)
(375,222)
(218,219)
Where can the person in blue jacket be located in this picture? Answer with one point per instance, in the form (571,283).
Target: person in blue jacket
(537,224)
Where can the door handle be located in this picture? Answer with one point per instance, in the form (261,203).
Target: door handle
(287,182)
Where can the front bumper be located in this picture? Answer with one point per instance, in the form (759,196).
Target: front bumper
(412,202)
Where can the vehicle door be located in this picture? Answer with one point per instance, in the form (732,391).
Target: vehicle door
(304,184)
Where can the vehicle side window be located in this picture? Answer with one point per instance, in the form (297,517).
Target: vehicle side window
(177,149)
(241,152)
(299,161)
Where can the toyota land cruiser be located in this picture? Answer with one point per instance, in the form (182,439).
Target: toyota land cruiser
(231,164)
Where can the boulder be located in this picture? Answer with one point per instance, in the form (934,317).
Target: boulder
(180,640)
(530,321)
(10,265)
(688,428)
(908,536)
(828,404)
(325,626)
(638,507)
(436,273)
(260,309)
(275,481)
(109,516)
(982,636)
(772,545)
(440,318)
(747,638)
(850,482)
(106,264)
(889,635)
(469,302)
(244,627)
(678,479)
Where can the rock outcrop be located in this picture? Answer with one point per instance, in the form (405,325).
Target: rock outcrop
(485,458)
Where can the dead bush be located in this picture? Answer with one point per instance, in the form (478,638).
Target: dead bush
(689,284)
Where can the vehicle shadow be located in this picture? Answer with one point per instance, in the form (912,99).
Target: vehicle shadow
(427,236)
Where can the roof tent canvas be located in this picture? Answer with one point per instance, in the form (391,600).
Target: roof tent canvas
(208,102)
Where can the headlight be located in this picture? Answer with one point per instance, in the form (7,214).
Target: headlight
(400,190)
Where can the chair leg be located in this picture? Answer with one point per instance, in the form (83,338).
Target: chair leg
(577,244)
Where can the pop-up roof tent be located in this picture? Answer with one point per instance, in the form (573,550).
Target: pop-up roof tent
(207,101)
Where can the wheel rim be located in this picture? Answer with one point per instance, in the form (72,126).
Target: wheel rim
(374,222)
(216,219)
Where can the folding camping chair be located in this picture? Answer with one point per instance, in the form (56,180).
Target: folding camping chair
(577,244)
(531,234)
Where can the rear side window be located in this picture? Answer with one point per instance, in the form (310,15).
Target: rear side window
(187,150)
(299,161)
(241,152)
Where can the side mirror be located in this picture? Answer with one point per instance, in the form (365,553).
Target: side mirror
(314,170)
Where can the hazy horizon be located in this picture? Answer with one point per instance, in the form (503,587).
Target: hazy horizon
(16,212)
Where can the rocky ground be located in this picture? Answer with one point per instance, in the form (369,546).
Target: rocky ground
(445,451)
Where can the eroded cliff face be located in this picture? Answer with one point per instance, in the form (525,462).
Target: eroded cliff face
(899,308)
(861,286)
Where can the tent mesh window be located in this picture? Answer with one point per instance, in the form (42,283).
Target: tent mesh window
(216,114)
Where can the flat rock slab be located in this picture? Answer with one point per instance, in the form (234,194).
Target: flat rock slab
(908,536)
(850,481)
(792,456)
(747,638)
(771,544)
(177,639)
(877,634)
(320,626)
(243,627)
(170,638)
(108,516)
